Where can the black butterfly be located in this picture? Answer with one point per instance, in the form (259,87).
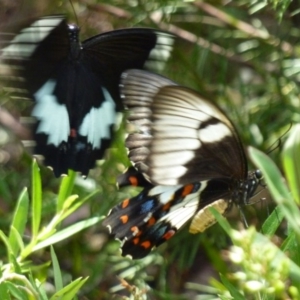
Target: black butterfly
(191,157)
(75,85)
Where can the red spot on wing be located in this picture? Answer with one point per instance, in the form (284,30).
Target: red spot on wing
(73,133)
(187,189)
(169,234)
(124,219)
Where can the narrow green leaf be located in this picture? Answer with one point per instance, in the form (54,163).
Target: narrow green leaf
(56,270)
(291,161)
(17,241)
(19,221)
(221,220)
(42,293)
(291,245)
(272,175)
(65,189)
(38,287)
(4,291)
(67,232)
(288,243)
(273,221)
(15,263)
(76,204)
(6,242)
(16,292)
(36,199)
(74,289)
(69,291)
(69,201)
(277,188)
(231,289)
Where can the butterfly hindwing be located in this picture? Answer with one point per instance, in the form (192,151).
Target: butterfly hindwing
(158,212)
(155,215)
(132,178)
(75,85)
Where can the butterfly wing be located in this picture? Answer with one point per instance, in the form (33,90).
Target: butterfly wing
(75,86)
(180,136)
(153,216)
(34,48)
(134,48)
(184,146)
(158,212)
(133,178)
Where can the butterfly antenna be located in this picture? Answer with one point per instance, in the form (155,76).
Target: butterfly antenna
(73,8)
(277,144)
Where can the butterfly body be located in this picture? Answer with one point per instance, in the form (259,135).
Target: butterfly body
(75,84)
(189,151)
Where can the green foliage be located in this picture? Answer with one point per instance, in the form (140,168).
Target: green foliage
(264,270)
(17,279)
(244,56)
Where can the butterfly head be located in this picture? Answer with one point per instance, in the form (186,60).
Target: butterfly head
(73,31)
(247,188)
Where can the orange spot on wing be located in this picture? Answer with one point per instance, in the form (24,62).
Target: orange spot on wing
(136,241)
(187,189)
(146,244)
(151,221)
(166,206)
(124,219)
(134,229)
(125,203)
(169,234)
(133,180)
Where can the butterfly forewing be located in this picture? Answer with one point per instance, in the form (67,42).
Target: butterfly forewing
(198,133)
(123,49)
(75,86)
(190,138)
(36,49)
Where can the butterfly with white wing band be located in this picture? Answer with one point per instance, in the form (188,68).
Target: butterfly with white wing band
(191,155)
(74,84)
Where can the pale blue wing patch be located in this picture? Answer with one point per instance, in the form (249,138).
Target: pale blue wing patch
(53,117)
(96,124)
